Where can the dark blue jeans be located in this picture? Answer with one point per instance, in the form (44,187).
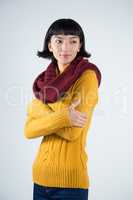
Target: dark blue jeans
(56,193)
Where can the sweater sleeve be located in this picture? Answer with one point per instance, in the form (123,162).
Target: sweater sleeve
(87,90)
(42,121)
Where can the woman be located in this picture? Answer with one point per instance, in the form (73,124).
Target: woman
(65,96)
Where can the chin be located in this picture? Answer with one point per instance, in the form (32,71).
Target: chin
(65,61)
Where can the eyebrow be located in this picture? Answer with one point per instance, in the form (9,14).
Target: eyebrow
(60,37)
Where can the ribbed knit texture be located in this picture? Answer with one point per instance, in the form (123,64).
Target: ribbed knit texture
(61,160)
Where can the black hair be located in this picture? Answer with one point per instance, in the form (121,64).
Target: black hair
(65,27)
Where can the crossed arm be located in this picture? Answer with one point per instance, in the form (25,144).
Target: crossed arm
(45,119)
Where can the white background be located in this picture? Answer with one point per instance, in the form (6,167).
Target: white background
(108,29)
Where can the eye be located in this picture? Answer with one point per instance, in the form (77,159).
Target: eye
(73,41)
(58,41)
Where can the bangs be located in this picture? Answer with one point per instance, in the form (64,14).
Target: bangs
(65,28)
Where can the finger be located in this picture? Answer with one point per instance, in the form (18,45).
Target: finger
(79,124)
(81,114)
(81,121)
(84,115)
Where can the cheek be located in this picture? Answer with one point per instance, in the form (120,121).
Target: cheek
(75,49)
(56,48)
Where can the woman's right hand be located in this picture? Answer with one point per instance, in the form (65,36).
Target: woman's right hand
(77,118)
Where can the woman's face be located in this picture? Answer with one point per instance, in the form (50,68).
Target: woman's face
(64,48)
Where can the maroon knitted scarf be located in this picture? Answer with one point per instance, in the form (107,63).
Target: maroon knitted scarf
(49,86)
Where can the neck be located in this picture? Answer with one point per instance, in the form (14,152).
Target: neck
(62,67)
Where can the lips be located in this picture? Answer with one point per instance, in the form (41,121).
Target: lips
(65,55)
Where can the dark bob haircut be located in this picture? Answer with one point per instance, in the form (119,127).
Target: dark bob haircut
(65,27)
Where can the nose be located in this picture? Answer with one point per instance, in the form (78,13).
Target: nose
(65,46)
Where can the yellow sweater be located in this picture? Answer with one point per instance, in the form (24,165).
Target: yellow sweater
(61,160)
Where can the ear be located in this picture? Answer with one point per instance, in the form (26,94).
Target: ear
(49,47)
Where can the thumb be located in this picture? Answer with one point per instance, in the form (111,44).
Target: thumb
(75,103)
